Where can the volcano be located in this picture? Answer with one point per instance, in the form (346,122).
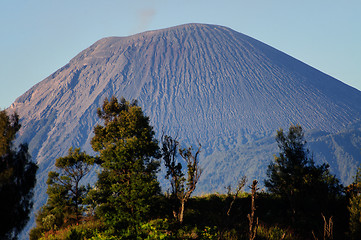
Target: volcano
(205,84)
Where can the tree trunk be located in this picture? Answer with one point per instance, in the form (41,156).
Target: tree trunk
(181,212)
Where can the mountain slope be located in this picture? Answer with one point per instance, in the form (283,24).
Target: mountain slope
(202,83)
(182,76)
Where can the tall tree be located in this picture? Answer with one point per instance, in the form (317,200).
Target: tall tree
(355,207)
(193,174)
(17,179)
(65,204)
(128,152)
(305,187)
(174,172)
(181,187)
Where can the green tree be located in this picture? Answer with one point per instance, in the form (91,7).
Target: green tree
(127,184)
(65,204)
(306,188)
(17,179)
(355,207)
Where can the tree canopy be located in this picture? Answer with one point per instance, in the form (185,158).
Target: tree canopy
(66,195)
(355,207)
(128,151)
(17,179)
(307,188)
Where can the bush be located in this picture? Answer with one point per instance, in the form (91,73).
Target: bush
(274,233)
(86,230)
(156,229)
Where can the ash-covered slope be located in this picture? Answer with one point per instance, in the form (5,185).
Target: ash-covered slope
(200,81)
(203,83)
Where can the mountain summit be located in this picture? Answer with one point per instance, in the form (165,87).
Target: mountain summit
(202,83)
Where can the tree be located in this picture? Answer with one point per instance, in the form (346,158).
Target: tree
(174,171)
(234,194)
(355,207)
(253,222)
(127,184)
(179,192)
(293,176)
(65,204)
(17,179)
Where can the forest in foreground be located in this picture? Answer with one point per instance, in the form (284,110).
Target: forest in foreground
(302,200)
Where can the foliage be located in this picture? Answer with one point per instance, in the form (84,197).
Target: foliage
(355,217)
(83,230)
(209,233)
(65,204)
(127,185)
(102,236)
(193,169)
(204,219)
(127,203)
(156,229)
(307,189)
(355,207)
(179,192)
(274,233)
(174,171)
(73,168)
(17,179)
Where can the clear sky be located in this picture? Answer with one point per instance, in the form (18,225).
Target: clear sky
(38,37)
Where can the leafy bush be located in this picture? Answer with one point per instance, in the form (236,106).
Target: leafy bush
(209,233)
(156,229)
(86,230)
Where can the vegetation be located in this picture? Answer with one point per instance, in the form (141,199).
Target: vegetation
(65,204)
(17,179)
(307,190)
(355,207)
(179,192)
(127,185)
(303,200)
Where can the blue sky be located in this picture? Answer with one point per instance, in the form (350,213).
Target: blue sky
(38,37)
